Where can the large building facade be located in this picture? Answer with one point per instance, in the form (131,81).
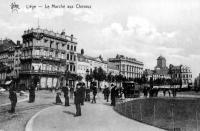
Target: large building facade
(128,67)
(48,55)
(10,57)
(112,69)
(83,66)
(181,74)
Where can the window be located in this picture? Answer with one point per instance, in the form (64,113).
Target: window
(67,56)
(74,68)
(70,57)
(71,47)
(63,45)
(67,47)
(70,67)
(57,45)
(74,58)
(67,67)
(74,48)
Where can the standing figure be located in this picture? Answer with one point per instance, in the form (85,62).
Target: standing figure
(83,93)
(94,91)
(31,93)
(58,100)
(87,90)
(113,94)
(104,92)
(65,91)
(107,93)
(145,92)
(78,99)
(13,98)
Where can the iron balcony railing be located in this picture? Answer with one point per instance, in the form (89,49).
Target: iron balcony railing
(41,72)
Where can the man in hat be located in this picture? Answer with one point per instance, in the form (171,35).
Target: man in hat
(78,99)
(31,93)
(13,98)
(65,91)
(113,95)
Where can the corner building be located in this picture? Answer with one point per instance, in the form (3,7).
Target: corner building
(48,55)
(128,67)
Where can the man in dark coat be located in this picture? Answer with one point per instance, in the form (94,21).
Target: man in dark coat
(94,91)
(31,93)
(107,93)
(13,99)
(113,95)
(145,91)
(78,99)
(83,93)
(87,90)
(65,91)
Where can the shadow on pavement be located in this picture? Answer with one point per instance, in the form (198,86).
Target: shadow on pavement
(70,113)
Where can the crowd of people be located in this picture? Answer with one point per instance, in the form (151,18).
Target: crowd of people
(81,93)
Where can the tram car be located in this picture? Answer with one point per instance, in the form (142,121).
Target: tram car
(131,89)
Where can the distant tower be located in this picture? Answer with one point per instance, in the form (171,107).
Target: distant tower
(161,62)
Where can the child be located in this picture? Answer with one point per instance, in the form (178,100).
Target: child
(58,100)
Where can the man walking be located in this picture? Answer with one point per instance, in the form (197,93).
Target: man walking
(94,91)
(107,93)
(83,93)
(113,95)
(78,99)
(31,93)
(65,91)
(13,98)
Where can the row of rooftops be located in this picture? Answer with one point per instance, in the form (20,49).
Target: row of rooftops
(123,58)
(61,35)
(8,44)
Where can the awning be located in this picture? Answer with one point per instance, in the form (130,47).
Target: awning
(8,82)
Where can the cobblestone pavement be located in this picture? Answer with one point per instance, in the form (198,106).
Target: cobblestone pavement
(24,111)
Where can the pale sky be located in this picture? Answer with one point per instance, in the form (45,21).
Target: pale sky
(142,29)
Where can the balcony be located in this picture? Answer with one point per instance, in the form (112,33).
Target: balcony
(41,72)
(44,58)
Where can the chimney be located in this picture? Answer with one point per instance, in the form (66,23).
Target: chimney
(72,37)
(18,42)
(82,51)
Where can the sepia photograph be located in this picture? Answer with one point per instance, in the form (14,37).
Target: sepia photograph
(99,65)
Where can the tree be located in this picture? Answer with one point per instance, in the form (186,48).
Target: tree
(119,78)
(99,74)
(144,79)
(110,78)
(89,78)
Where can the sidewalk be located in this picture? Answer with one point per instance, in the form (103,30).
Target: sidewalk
(95,117)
